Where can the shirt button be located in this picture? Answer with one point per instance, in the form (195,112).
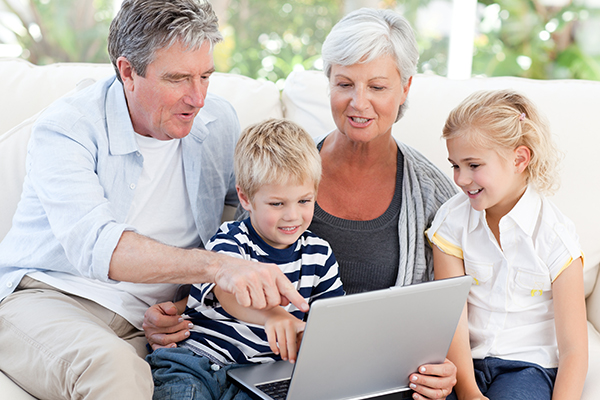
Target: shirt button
(215,367)
(9,284)
(137,153)
(132,186)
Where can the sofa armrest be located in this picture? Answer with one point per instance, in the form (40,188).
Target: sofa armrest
(11,391)
(593,300)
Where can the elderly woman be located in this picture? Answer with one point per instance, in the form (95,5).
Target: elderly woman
(377,195)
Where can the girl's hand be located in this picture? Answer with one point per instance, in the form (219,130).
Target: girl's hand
(284,333)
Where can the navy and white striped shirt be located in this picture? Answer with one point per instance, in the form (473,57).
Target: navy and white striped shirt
(309,264)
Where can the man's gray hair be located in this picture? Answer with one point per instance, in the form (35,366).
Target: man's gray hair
(141,27)
(367,34)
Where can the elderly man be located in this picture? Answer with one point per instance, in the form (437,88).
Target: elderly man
(125,182)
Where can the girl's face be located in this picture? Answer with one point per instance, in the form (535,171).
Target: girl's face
(494,180)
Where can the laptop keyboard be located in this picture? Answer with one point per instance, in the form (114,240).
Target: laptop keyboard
(277,390)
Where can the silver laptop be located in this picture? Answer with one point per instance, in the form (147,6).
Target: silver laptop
(365,345)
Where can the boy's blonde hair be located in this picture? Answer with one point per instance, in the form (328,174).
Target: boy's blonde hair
(505,119)
(275,151)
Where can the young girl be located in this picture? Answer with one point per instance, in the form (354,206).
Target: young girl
(523,333)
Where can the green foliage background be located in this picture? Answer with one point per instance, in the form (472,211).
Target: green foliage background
(267,39)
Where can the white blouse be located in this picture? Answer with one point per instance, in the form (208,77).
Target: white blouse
(510,309)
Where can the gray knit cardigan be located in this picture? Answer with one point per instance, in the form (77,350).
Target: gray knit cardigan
(424,189)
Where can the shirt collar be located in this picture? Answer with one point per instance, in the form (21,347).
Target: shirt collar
(475,218)
(121,136)
(199,129)
(524,213)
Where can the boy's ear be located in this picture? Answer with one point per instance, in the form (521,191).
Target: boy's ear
(244,200)
(522,158)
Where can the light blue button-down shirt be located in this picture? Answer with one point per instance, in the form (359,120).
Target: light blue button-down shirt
(83,165)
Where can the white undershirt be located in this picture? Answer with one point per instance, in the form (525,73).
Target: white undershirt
(161,208)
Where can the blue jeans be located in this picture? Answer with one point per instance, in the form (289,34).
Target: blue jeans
(180,374)
(512,380)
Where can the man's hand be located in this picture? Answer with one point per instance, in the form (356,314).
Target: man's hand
(260,286)
(434,381)
(164,326)
(256,285)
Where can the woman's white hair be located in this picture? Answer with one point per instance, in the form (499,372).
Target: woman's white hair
(367,34)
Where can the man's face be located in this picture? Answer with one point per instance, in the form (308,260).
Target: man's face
(164,103)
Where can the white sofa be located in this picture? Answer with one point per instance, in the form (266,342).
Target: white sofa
(572,107)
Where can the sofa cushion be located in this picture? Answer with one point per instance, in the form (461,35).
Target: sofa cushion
(570,105)
(591,389)
(252,99)
(32,88)
(13,150)
(10,391)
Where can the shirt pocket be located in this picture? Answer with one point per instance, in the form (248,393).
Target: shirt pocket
(480,272)
(531,288)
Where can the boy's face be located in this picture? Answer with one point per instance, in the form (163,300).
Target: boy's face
(281,213)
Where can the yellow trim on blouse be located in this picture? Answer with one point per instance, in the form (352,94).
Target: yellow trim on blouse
(567,264)
(447,247)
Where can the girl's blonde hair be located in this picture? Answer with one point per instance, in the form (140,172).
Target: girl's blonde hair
(275,151)
(505,119)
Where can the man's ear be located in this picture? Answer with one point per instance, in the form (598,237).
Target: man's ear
(126,71)
(244,200)
(522,158)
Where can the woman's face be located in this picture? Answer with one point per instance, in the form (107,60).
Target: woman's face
(365,98)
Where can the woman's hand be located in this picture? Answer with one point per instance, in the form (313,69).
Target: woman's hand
(433,381)
(164,326)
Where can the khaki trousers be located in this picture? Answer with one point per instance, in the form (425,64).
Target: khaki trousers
(59,346)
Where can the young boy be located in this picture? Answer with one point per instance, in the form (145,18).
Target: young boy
(278,169)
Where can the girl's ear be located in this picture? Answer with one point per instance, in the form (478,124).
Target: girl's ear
(522,158)
(244,200)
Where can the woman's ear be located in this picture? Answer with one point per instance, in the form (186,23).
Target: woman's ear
(244,200)
(522,158)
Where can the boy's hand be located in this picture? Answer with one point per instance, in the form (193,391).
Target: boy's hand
(284,333)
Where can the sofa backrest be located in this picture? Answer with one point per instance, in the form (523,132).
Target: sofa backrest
(32,88)
(26,88)
(572,107)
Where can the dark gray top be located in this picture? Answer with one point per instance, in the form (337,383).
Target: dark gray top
(367,251)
